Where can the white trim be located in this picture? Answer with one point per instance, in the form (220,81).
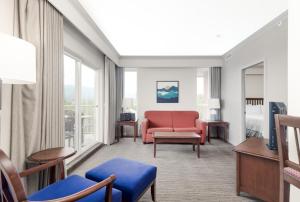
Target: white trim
(170,61)
(243,96)
(80,155)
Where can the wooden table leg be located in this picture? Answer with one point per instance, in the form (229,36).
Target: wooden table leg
(237,174)
(154,150)
(135,131)
(193,147)
(198,149)
(52,177)
(226,133)
(208,133)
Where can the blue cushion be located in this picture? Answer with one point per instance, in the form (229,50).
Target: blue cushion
(71,185)
(132,178)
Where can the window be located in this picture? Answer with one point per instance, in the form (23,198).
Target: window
(80,103)
(130,91)
(203,92)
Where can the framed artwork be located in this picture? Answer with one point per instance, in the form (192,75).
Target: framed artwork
(167,91)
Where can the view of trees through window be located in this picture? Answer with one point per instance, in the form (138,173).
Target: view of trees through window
(80,104)
(130,90)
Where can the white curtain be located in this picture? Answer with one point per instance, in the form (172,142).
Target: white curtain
(110,102)
(37,110)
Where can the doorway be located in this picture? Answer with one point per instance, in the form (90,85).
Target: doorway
(253,96)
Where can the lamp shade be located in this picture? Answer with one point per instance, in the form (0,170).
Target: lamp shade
(214,103)
(17,60)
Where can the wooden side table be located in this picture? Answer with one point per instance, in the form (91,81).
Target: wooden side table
(218,125)
(134,124)
(47,155)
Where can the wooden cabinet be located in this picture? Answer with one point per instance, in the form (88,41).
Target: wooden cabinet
(257,170)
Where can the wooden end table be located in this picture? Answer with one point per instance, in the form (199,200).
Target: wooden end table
(218,125)
(177,137)
(47,155)
(134,124)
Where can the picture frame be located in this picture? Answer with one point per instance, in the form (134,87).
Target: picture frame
(167,91)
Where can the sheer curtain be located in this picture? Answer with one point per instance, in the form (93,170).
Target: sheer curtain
(120,93)
(113,96)
(37,111)
(110,101)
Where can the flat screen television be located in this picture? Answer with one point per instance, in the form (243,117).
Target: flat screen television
(274,108)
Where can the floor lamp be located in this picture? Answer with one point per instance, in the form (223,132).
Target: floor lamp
(17,62)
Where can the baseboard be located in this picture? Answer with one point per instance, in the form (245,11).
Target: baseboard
(74,163)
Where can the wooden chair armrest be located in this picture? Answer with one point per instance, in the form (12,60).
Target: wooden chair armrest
(39,168)
(292,165)
(108,195)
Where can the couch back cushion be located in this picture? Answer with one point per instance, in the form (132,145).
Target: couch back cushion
(182,119)
(159,118)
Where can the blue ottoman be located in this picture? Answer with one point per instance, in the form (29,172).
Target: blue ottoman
(132,178)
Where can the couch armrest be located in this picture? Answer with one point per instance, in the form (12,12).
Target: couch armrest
(145,126)
(201,125)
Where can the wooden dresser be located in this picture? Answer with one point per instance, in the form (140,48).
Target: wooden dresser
(257,170)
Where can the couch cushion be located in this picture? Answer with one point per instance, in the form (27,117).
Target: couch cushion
(184,119)
(132,177)
(159,118)
(71,185)
(162,129)
(192,129)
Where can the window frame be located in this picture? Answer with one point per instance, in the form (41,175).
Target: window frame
(200,74)
(78,86)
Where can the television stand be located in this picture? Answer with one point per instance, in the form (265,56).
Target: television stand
(257,170)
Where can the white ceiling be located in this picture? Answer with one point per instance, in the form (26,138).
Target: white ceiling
(180,27)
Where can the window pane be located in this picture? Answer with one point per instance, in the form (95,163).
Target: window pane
(88,106)
(69,100)
(130,91)
(202,93)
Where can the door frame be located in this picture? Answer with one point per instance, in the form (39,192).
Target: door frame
(243,97)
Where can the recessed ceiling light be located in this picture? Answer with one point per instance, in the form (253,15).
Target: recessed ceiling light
(218,35)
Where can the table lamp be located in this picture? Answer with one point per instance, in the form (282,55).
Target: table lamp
(214,104)
(17,61)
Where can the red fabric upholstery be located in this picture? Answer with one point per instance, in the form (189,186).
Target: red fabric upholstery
(167,121)
(162,129)
(292,172)
(159,119)
(192,129)
(184,119)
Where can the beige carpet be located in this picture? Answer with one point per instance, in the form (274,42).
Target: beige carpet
(181,175)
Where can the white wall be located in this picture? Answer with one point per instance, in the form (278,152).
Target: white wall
(79,46)
(146,92)
(268,45)
(254,85)
(293,81)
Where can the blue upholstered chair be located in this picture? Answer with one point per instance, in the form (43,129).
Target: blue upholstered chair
(73,188)
(132,178)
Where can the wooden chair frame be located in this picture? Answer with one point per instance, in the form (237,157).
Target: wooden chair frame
(12,189)
(282,122)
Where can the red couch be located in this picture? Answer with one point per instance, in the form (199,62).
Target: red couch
(169,121)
